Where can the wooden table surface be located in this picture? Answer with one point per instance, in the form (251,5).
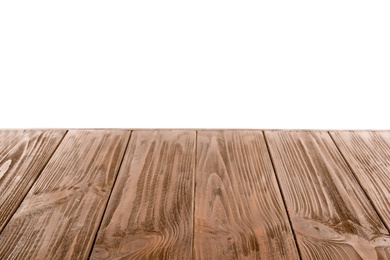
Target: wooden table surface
(194,194)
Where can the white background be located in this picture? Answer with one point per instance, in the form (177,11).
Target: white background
(195,64)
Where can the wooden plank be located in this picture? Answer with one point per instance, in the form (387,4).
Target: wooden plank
(368,154)
(60,215)
(239,211)
(149,215)
(23,154)
(331,216)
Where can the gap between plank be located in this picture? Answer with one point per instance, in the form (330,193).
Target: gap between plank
(194,194)
(36,178)
(357,180)
(109,195)
(281,192)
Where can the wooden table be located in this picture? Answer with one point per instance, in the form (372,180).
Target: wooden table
(201,194)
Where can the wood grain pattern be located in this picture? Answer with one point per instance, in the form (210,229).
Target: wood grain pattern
(23,154)
(149,215)
(331,216)
(61,213)
(239,211)
(368,154)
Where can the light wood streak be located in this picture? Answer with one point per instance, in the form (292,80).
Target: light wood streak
(239,211)
(331,216)
(60,215)
(23,154)
(149,215)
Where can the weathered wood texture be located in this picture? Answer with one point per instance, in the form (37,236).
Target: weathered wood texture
(239,211)
(331,216)
(23,154)
(149,215)
(368,154)
(60,215)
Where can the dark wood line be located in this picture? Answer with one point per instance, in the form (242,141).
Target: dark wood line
(36,178)
(194,194)
(281,192)
(361,186)
(109,195)
(208,129)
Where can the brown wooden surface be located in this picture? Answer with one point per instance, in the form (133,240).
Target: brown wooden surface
(60,215)
(150,211)
(239,212)
(194,194)
(330,213)
(23,154)
(368,154)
